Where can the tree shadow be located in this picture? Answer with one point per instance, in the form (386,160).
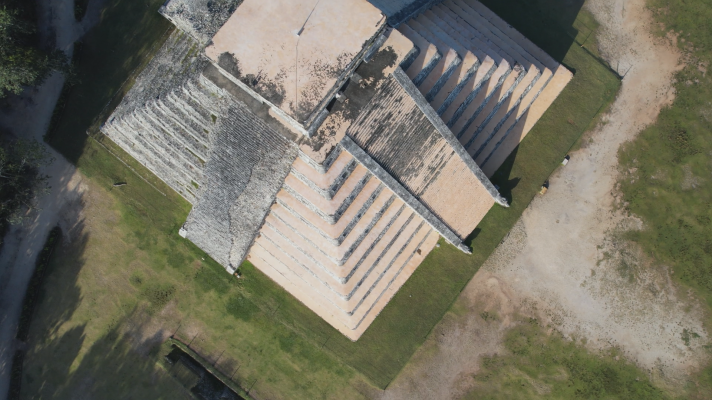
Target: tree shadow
(58,364)
(126,37)
(550,24)
(503,180)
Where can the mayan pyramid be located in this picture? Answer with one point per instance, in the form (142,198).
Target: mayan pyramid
(332,143)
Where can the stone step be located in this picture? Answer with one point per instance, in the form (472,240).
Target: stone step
(467,90)
(167,172)
(327,184)
(514,35)
(331,232)
(469,129)
(181,106)
(161,145)
(329,210)
(170,68)
(463,105)
(395,284)
(441,30)
(508,121)
(490,126)
(329,254)
(304,245)
(492,33)
(460,30)
(469,87)
(526,121)
(380,258)
(201,95)
(461,114)
(482,106)
(378,217)
(467,27)
(521,48)
(161,129)
(267,262)
(317,275)
(188,98)
(427,59)
(395,268)
(181,129)
(445,67)
(470,64)
(346,297)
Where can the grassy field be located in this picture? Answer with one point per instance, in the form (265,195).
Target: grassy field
(538,365)
(667,170)
(127,280)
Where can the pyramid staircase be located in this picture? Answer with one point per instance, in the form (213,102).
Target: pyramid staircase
(165,123)
(340,241)
(487,82)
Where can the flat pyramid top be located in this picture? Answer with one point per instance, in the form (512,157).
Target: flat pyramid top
(293,51)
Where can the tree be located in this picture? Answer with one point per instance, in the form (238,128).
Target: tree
(22,63)
(20,178)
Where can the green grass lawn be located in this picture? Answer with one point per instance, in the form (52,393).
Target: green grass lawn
(538,365)
(129,280)
(667,170)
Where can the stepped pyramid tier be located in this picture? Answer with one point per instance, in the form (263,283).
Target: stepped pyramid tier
(332,144)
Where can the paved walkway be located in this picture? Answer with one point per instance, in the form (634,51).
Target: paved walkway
(29,118)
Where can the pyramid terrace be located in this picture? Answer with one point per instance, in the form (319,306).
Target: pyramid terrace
(333,143)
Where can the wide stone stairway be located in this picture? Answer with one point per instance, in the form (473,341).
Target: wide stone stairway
(487,82)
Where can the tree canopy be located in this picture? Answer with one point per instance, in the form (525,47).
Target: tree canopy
(20,180)
(22,63)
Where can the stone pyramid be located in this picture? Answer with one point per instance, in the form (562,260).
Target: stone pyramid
(332,145)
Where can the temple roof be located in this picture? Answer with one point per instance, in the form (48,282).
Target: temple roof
(293,52)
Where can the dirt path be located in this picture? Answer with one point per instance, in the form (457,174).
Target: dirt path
(29,118)
(562,262)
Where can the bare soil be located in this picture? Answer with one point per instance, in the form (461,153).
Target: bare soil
(565,262)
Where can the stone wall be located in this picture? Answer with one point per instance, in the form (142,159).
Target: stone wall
(199,18)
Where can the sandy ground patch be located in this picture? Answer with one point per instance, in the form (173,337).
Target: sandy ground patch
(563,262)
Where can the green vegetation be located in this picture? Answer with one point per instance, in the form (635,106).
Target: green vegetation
(22,61)
(80,9)
(668,166)
(128,280)
(667,170)
(538,365)
(20,179)
(34,289)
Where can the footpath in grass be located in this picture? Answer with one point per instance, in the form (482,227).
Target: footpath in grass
(34,290)
(667,170)
(252,328)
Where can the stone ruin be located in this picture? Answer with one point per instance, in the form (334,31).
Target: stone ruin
(332,143)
